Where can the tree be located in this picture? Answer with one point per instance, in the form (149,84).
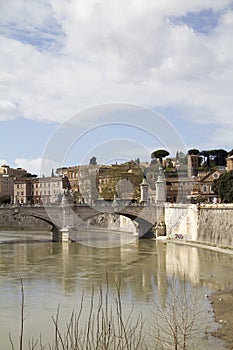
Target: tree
(5,200)
(31,175)
(214,157)
(160,154)
(223,187)
(193,151)
(221,155)
(93,161)
(206,155)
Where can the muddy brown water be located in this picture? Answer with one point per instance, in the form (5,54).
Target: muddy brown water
(58,273)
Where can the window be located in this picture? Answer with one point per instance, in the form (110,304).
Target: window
(205,188)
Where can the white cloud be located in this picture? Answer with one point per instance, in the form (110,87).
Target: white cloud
(222,136)
(37,166)
(8,110)
(97,51)
(2,162)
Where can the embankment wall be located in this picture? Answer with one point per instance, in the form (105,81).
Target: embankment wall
(208,223)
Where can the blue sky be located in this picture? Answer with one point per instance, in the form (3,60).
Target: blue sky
(61,58)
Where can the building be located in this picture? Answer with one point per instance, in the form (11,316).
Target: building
(7,177)
(90,183)
(7,170)
(192,189)
(44,190)
(230,163)
(7,186)
(180,189)
(206,193)
(193,164)
(82,182)
(48,190)
(23,191)
(120,181)
(88,187)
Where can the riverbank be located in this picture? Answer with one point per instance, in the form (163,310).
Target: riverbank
(220,249)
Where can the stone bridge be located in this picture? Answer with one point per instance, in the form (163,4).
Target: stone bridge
(65,217)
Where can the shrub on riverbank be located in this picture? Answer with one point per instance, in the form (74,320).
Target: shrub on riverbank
(177,322)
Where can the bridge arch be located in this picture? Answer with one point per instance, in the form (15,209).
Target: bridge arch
(126,222)
(53,227)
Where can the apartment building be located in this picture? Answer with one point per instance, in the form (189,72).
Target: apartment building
(7,177)
(22,191)
(43,190)
(6,186)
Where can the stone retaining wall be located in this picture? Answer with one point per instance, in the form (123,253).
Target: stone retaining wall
(211,224)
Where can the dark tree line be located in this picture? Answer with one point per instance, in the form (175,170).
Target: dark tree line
(207,158)
(213,157)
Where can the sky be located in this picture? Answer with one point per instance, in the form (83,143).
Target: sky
(109,78)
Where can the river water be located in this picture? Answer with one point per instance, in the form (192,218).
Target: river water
(57,274)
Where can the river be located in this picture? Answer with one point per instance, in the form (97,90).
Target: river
(57,274)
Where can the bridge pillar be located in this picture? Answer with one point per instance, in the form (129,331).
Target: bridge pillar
(67,223)
(160,229)
(61,235)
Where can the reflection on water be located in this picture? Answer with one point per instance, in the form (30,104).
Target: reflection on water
(57,273)
(103,238)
